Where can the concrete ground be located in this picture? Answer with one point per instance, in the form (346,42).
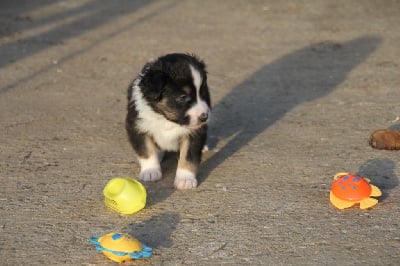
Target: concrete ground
(297,88)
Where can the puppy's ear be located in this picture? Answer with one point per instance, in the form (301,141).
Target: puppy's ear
(153,84)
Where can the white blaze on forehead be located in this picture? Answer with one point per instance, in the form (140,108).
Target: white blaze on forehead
(196,78)
(201,106)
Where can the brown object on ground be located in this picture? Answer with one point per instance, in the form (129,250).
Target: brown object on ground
(385,139)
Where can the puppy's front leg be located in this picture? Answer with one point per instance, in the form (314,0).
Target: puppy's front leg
(149,161)
(189,160)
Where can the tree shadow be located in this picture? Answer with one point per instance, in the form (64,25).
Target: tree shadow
(156,232)
(89,16)
(16,11)
(266,96)
(381,173)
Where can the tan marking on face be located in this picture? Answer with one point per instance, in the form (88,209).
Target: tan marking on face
(183,163)
(168,112)
(187,90)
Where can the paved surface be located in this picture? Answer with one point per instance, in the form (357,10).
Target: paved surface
(297,88)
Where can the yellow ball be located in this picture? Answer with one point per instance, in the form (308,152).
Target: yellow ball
(125,195)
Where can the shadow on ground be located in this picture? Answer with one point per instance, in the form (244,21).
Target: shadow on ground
(265,97)
(156,232)
(395,127)
(381,173)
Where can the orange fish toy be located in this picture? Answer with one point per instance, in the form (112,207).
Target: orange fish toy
(350,189)
(121,247)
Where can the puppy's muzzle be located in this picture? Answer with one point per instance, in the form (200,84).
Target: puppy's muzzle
(203,117)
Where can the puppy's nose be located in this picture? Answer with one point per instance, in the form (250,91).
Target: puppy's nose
(203,117)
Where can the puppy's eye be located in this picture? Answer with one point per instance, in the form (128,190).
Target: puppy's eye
(184,98)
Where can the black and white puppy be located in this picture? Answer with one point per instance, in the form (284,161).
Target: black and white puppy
(168,110)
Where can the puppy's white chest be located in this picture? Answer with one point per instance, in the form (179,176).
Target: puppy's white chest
(165,133)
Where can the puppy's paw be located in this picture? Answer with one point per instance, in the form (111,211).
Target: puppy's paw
(185,179)
(151,174)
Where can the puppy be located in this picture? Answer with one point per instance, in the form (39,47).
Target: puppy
(168,110)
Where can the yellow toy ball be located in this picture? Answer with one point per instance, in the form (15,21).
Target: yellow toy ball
(121,247)
(125,195)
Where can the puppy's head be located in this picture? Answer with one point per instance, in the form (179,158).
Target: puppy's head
(175,86)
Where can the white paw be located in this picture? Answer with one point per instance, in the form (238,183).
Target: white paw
(151,174)
(185,179)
